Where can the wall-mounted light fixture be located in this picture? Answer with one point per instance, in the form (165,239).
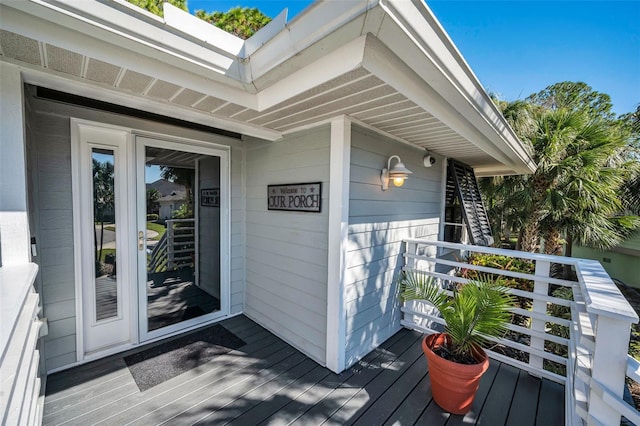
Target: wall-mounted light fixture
(399,173)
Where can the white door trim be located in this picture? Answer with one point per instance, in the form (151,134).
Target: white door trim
(116,139)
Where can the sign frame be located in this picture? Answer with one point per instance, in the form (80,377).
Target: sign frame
(208,197)
(285,192)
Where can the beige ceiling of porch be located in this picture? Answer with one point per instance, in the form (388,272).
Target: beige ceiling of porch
(358,94)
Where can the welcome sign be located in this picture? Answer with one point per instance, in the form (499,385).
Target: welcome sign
(299,197)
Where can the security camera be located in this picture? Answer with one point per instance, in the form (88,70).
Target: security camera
(429,161)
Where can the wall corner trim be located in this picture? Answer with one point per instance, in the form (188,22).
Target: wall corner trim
(339,170)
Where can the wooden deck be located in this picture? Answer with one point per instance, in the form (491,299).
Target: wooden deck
(268,382)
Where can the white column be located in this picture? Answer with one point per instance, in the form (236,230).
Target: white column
(608,368)
(14,225)
(339,167)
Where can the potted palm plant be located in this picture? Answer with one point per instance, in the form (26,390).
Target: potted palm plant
(477,310)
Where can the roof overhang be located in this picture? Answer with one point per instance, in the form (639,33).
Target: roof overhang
(386,63)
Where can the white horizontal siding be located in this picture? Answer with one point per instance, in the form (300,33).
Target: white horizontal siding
(378,222)
(286,252)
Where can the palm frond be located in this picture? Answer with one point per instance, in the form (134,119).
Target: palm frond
(478,310)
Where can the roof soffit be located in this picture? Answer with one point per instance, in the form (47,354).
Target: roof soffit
(314,48)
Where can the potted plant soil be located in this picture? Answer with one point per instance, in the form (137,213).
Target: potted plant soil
(477,310)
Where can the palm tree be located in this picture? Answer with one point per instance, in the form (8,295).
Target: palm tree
(575,191)
(585,163)
(103,200)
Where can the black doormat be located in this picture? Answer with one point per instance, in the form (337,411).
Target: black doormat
(172,358)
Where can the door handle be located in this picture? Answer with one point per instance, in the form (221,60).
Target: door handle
(140,240)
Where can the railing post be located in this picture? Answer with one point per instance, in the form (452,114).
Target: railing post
(539,306)
(608,368)
(170,247)
(410,248)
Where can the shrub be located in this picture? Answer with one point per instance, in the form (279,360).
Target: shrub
(503,263)
(152,217)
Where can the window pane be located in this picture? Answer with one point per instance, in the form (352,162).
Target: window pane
(183,236)
(104,233)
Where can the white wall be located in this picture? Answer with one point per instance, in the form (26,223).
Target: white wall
(19,303)
(14,232)
(378,221)
(50,138)
(286,259)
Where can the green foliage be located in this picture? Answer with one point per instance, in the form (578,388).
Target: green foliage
(160,229)
(103,188)
(184,212)
(155,6)
(477,310)
(562,312)
(574,97)
(242,22)
(578,190)
(152,217)
(153,206)
(505,263)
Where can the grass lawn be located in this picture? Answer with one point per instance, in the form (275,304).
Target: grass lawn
(105,252)
(160,229)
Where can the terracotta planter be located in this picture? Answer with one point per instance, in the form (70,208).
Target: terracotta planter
(453,385)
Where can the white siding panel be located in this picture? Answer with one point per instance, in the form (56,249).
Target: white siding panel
(286,252)
(378,222)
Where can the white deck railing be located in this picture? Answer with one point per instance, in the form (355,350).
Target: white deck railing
(176,247)
(596,361)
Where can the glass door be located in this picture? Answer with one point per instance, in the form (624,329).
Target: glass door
(182,228)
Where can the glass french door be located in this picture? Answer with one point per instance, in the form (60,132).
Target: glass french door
(182,233)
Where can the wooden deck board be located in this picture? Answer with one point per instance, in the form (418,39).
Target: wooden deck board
(523,412)
(174,396)
(496,408)
(341,399)
(268,382)
(550,404)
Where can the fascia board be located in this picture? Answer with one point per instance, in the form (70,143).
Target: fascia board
(382,62)
(135,32)
(76,86)
(264,34)
(339,22)
(449,74)
(340,61)
(189,75)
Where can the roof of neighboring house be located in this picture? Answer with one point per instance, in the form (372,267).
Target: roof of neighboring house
(386,64)
(165,187)
(174,196)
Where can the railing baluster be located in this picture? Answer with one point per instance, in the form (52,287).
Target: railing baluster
(539,306)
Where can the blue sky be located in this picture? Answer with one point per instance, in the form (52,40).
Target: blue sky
(517,48)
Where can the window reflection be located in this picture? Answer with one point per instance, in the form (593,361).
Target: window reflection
(104,219)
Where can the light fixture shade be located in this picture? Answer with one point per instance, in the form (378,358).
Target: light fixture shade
(399,170)
(399,173)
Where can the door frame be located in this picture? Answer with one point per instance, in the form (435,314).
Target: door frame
(81,208)
(130,240)
(139,140)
